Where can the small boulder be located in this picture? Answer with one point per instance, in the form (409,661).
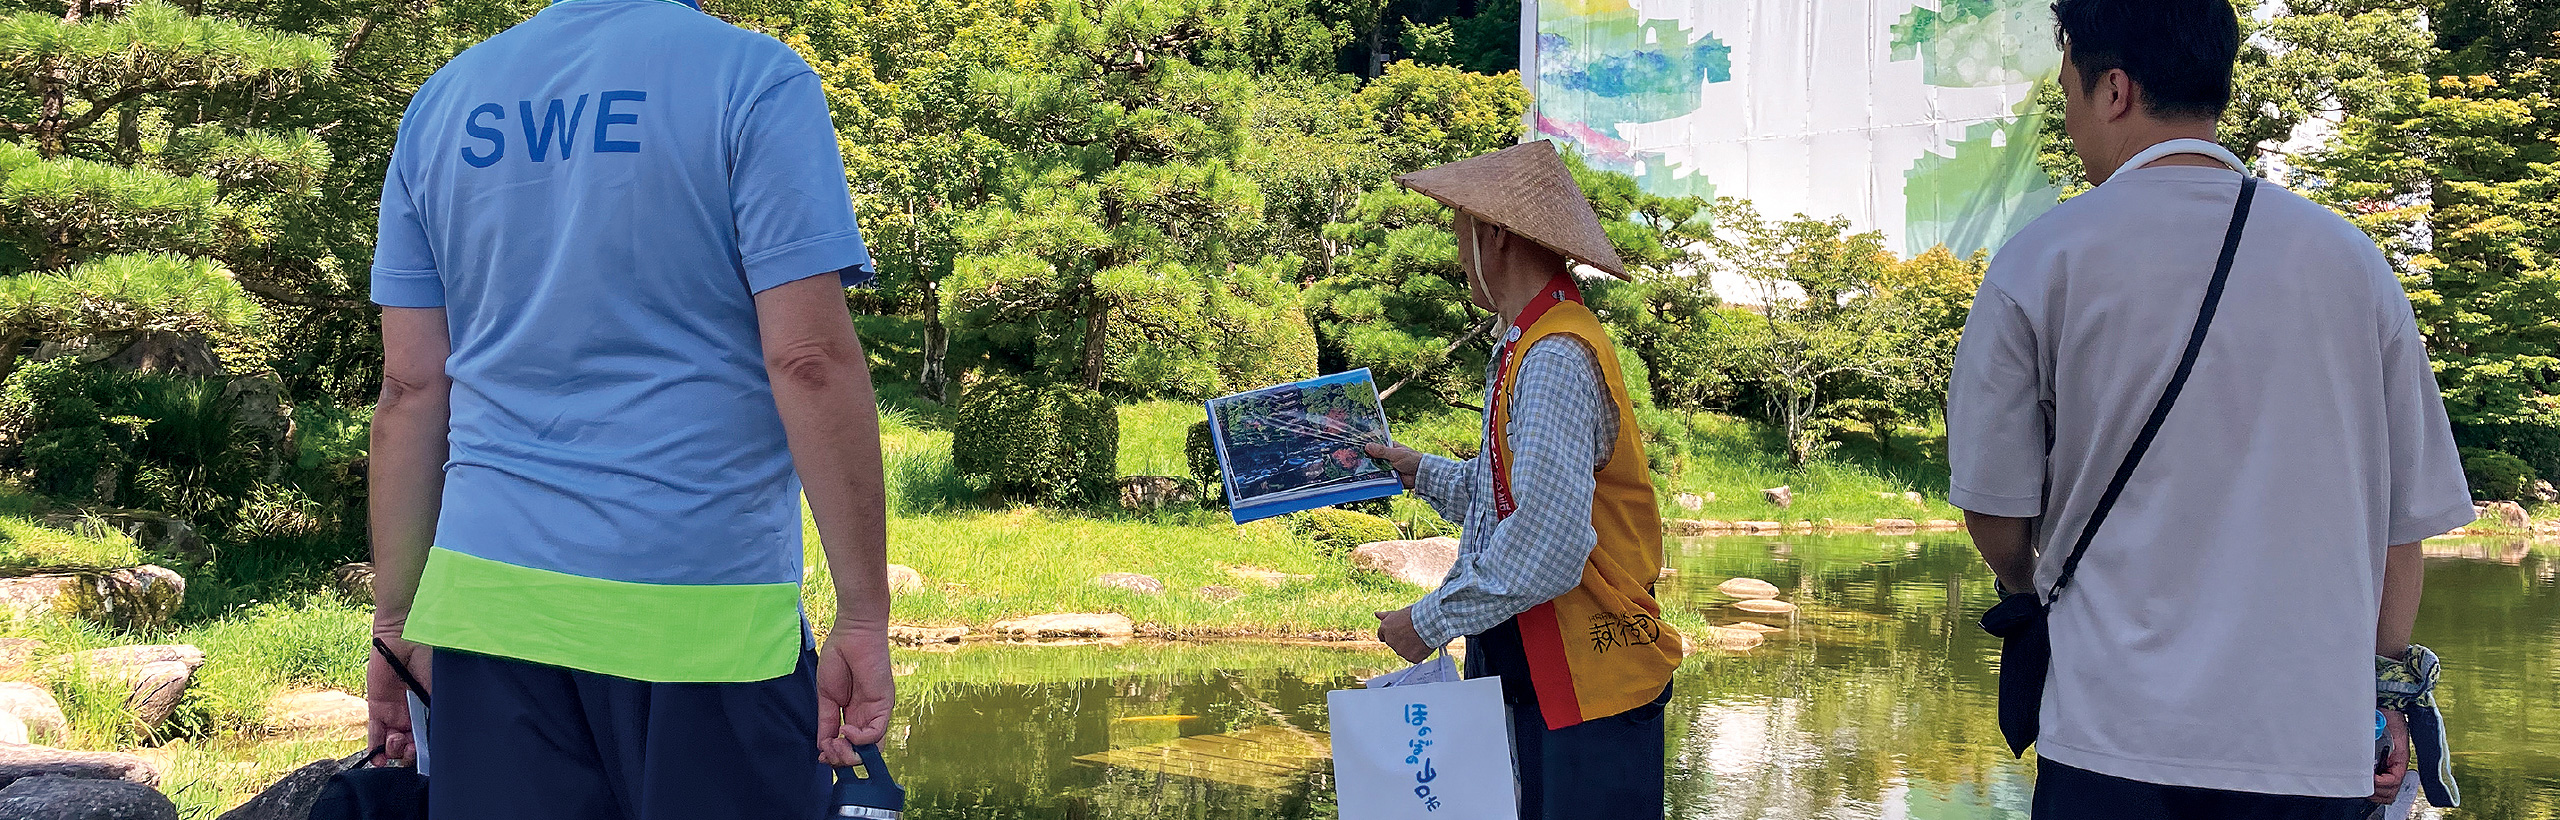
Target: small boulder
(2507,515)
(1735,640)
(904,580)
(292,796)
(1760,628)
(318,711)
(1748,589)
(1897,526)
(1068,625)
(2545,493)
(157,688)
(1683,527)
(1216,594)
(20,761)
(53,797)
(354,581)
(1760,527)
(125,661)
(133,599)
(1265,577)
(1133,582)
(1915,499)
(12,730)
(32,705)
(922,635)
(1149,493)
(16,652)
(1689,501)
(1783,497)
(1943,524)
(1422,562)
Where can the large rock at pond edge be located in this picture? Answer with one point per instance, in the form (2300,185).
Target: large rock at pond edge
(71,798)
(905,580)
(1766,608)
(1133,582)
(1421,562)
(126,661)
(1149,493)
(134,599)
(153,532)
(12,730)
(292,796)
(17,761)
(156,677)
(321,711)
(2506,514)
(922,635)
(1068,625)
(1783,497)
(1897,526)
(32,705)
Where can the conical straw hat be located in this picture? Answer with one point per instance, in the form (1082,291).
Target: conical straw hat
(1526,190)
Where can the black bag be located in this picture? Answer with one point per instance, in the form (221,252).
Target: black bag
(377,792)
(2026,647)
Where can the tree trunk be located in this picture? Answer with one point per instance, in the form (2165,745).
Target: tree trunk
(1097,321)
(937,345)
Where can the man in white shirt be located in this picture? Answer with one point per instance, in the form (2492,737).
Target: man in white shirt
(2211,659)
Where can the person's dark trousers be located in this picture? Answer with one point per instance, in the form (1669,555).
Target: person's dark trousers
(521,741)
(1606,768)
(2066,793)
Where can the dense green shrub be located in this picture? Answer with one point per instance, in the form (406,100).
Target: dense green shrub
(2496,476)
(1058,443)
(1336,531)
(1201,451)
(2537,444)
(69,461)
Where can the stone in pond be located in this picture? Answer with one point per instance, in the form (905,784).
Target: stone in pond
(1765,607)
(292,796)
(1759,527)
(1944,524)
(904,579)
(20,761)
(922,635)
(1748,588)
(32,705)
(1683,527)
(1422,562)
(1761,628)
(1068,625)
(1897,526)
(1735,640)
(71,798)
(1133,582)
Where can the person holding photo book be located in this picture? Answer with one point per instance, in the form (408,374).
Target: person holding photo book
(1553,586)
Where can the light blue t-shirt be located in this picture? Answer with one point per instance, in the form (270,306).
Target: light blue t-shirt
(595,196)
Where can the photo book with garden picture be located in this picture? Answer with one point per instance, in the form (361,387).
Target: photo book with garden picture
(1302,445)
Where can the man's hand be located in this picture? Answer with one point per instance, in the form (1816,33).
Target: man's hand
(1405,461)
(855,691)
(386,701)
(1395,629)
(2395,769)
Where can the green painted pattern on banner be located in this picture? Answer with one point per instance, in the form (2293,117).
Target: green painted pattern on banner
(665,633)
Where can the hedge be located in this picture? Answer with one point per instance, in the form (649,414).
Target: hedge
(1336,531)
(1057,443)
(2496,476)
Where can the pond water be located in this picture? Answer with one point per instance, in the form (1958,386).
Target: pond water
(1875,704)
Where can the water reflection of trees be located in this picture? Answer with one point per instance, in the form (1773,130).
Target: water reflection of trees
(1880,692)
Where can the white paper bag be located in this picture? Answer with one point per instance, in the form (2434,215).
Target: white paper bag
(1435,750)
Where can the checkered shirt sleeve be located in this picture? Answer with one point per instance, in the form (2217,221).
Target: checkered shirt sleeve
(1563,426)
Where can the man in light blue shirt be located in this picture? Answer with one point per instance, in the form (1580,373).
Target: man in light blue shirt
(613,245)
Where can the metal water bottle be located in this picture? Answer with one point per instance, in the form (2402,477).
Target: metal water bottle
(872,794)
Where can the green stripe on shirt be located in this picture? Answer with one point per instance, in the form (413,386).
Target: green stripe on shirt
(662,633)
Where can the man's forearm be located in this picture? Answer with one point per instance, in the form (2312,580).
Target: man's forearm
(2007,545)
(2404,581)
(405,471)
(833,423)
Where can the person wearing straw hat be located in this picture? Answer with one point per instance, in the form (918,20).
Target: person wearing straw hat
(1553,585)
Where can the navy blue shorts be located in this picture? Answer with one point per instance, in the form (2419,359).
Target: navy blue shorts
(2067,793)
(522,741)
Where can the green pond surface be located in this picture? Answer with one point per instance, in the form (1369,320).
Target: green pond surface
(1874,704)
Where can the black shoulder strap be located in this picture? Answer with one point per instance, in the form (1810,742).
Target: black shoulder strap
(2168,397)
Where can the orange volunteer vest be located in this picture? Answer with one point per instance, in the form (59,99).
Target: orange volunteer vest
(1602,648)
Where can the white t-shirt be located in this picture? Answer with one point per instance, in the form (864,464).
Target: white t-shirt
(2220,629)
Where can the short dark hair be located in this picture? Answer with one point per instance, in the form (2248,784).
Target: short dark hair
(2179,51)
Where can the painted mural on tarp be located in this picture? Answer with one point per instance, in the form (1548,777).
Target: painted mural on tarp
(1915,117)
